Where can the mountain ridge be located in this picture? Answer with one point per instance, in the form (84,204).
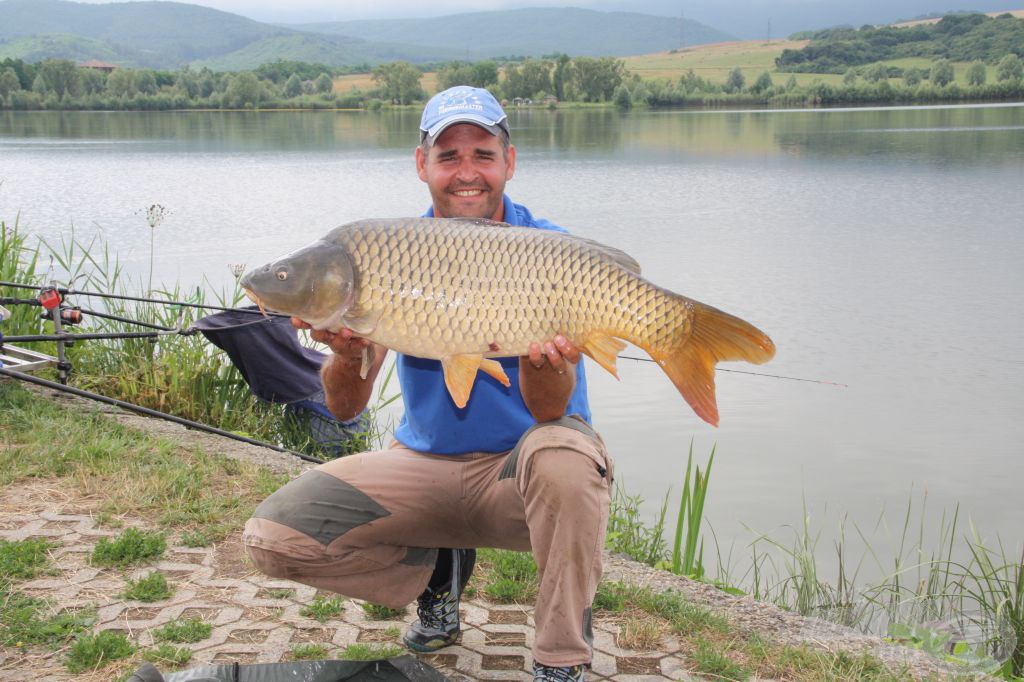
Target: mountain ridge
(166,35)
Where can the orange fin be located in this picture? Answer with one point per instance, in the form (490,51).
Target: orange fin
(494,369)
(604,350)
(715,336)
(459,375)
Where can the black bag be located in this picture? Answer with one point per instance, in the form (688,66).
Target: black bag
(401,669)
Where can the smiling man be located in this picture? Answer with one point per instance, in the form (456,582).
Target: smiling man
(519,467)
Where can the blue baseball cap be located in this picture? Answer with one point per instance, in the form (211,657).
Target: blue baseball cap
(462,104)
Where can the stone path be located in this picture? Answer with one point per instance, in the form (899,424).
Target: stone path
(257,619)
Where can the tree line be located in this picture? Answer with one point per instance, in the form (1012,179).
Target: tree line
(60,84)
(957,37)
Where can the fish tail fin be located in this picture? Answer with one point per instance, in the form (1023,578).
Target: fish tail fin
(713,336)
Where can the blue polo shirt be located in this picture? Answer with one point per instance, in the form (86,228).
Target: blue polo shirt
(495,417)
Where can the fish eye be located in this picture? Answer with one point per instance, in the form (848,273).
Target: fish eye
(282,275)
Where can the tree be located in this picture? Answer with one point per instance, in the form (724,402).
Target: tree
(245,90)
(791,84)
(145,82)
(912,77)
(560,75)
(596,79)
(1010,68)
(735,81)
(942,73)
(121,83)
(399,82)
(61,77)
(763,83)
(527,79)
(976,74)
(876,73)
(484,74)
(623,100)
(850,77)
(323,84)
(9,82)
(293,86)
(454,73)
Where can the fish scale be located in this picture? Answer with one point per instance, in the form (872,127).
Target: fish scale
(464,290)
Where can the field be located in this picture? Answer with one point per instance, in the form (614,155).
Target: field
(918,22)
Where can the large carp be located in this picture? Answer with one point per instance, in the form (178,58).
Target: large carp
(465,290)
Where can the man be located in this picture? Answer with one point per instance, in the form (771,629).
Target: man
(517,468)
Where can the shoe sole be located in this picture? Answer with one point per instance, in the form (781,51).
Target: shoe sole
(431,646)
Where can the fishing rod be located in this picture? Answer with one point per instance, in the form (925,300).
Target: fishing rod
(67,291)
(139,409)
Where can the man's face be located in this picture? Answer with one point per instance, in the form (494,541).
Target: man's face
(466,171)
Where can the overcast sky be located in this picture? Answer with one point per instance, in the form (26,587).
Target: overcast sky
(744,18)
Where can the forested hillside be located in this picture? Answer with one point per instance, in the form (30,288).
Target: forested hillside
(956,37)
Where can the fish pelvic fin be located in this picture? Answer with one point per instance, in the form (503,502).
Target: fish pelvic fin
(604,350)
(493,368)
(459,375)
(714,336)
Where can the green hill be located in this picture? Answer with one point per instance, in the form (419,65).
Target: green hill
(166,35)
(319,49)
(958,37)
(534,32)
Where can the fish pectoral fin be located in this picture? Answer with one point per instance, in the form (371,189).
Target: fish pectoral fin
(493,368)
(363,325)
(364,368)
(459,375)
(604,350)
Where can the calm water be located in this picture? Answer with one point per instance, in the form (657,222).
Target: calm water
(880,248)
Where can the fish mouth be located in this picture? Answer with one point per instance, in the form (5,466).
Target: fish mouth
(256,299)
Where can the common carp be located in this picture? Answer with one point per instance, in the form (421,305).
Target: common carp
(465,290)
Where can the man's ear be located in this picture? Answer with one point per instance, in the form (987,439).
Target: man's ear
(511,168)
(421,163)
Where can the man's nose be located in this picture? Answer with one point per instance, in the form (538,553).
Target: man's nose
(467,170)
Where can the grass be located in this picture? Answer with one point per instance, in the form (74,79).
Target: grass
(183,630)
(153,587)
(379,612)
(131,547)
(509,577)
(168,655)
(89,652)
(323,609)
(134,474)
(370,652)
(309,652)
(22,559)
(26,620)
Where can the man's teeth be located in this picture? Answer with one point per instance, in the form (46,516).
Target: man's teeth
(468,192)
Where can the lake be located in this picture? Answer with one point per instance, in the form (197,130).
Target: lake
(880,248)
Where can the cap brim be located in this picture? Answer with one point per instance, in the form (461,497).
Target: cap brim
(493,127)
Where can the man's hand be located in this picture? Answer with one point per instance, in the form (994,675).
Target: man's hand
(346,393)
(343,342)
(547,377)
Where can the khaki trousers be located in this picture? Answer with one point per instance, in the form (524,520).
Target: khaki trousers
(368,526)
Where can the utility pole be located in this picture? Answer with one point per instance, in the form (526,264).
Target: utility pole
(769,29)
(682,29)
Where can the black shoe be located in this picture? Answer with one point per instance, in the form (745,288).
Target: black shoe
(547,673)
(438,606)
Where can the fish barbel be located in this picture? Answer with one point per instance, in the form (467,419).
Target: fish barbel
(463,291)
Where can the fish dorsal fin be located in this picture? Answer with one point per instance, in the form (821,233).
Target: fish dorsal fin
(617,255)
(482,222)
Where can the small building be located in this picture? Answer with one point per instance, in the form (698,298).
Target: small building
(105,67)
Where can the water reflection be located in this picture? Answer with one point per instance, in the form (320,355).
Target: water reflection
(935,135)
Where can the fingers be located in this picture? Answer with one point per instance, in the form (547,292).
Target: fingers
(343,342)
(560,353)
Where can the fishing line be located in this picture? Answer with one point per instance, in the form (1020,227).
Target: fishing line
(756,374)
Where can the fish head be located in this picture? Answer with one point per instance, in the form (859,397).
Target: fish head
(317,284)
